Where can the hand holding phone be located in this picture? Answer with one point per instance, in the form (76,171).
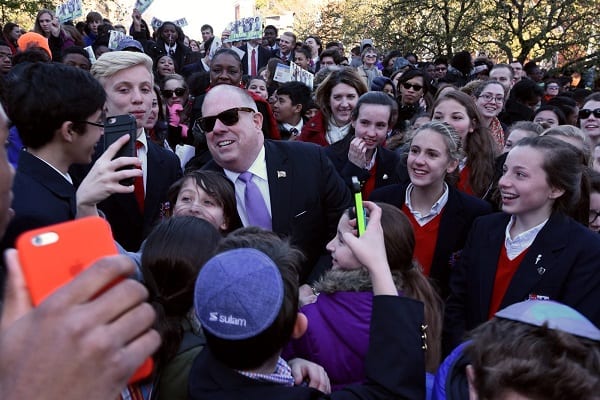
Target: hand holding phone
(52,256)
(114,128)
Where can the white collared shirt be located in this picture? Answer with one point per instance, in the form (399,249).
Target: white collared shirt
(142,155)
(371,163)
(299,126)
(522,241)
(436,208)
(260,179)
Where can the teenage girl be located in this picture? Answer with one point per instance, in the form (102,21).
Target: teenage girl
(440,214)
(458,110)
(361,152)
(533,249)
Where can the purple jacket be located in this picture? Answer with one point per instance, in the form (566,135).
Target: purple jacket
(337,337)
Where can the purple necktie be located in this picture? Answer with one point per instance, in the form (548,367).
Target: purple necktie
(256,209)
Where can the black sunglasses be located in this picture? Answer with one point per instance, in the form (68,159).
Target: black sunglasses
(585,113)
(228,117)
(407,86)
(169,93)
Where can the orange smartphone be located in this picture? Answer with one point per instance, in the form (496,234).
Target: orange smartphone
(52,256)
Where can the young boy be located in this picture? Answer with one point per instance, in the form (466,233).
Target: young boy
(246,299)
(291,103)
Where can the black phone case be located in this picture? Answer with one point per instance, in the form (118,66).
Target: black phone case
(114,128)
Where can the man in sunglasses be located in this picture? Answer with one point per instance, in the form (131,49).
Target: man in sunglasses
(289,187)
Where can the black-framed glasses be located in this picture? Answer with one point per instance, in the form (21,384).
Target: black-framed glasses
(98,124)
(167,94)
(593,215)
(489,97)
(407,86)
(228,117)
(585,113)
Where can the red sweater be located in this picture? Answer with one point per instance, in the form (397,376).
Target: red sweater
(425,239)
(504,273)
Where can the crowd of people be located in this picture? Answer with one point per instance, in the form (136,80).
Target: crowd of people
(243,272)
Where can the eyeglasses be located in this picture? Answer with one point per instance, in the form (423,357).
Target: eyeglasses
(489,97)
(370,55)
(585,113)
(593,215)
(407,86)
(169,93)
(553,87)
(98,124)
(228,117)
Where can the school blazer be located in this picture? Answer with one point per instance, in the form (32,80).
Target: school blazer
(562,264)
(455,223)
(130,227)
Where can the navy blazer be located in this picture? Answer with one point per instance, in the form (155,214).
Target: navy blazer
(128,224)
(455,223)
(263,58)
(307,196)
(562,263)
(42,197)
(387,163)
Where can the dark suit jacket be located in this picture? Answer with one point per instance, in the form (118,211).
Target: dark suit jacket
(307,196)
(263,58)
(563,263)
(42,197)
(128,224)
(387,162)
(455,223)
(277,54)
(395,365)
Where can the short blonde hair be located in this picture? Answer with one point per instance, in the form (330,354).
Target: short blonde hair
(108,64)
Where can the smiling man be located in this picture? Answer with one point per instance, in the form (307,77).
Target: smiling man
(289,187)
(127,78)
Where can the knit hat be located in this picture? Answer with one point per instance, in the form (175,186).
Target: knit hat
(238,294)
(558,316)
(33,39)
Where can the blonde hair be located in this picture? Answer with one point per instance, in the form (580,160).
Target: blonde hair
(114,62)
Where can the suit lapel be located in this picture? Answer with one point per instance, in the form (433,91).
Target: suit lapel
(281,179)
(487,264)
(540,258)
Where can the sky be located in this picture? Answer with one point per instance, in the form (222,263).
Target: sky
(216,13)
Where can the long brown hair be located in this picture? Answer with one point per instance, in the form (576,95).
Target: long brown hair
(479,146)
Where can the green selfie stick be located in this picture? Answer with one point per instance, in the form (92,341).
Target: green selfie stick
(358,204)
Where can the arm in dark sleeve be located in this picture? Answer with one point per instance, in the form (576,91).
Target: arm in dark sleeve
(395,362)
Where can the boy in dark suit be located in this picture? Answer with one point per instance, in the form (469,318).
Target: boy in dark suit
(57,110)
(128,81)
